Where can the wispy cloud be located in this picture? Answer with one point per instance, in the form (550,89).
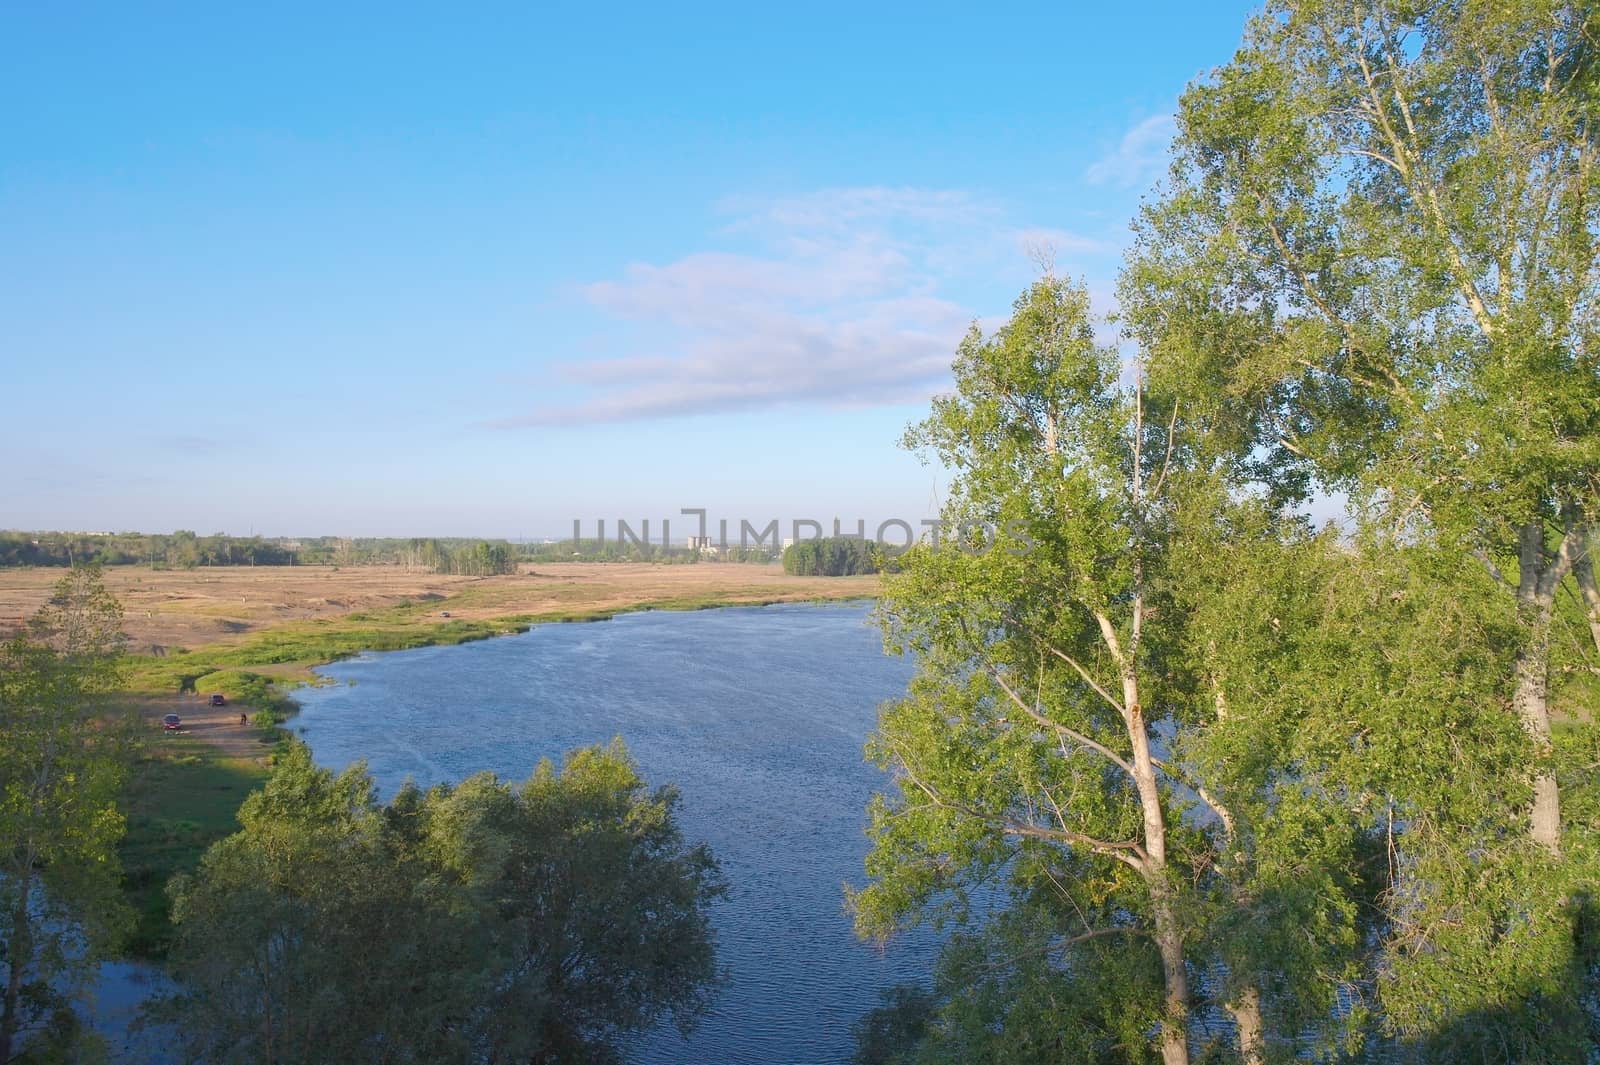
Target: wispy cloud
(845,210)
(1138,158)
(193,445)
(840,300)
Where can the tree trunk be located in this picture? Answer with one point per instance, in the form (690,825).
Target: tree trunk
(1583,566)
(1169,942)
(1533,708)
(1169,934)
(1536,583)
(1246,1011)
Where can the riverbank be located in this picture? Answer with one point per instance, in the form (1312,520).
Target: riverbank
(256,664)
(173,611)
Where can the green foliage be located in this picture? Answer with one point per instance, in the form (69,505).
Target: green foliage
(1007,997)
(1186,766)
(482,922)
(481,558)
(1374,270)
(60,770)
(184,549)
(832,556)
(597,549)
(251,689)
(1025,749)
(1384,216)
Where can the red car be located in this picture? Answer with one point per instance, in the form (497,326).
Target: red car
(171,722)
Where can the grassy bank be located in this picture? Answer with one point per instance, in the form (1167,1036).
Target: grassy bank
(257,669)
(181,796)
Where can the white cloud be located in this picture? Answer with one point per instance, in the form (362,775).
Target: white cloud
(1138,158)
(843,210)
(841,300)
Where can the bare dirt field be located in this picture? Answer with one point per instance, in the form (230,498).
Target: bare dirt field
(172,609)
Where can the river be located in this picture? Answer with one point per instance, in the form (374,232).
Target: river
(757,715)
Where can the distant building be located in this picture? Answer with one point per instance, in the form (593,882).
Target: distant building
(702,544)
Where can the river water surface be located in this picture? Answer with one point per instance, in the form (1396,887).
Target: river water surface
(758,715)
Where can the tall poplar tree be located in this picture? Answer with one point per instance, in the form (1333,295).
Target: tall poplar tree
(1074,773)
(1373,272)
(1376,263)
(1164,736)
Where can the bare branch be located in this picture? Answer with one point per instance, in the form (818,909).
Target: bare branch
(1293,261)
(1166,463)
(1129,852)
(1049,723)
(1494,570)
(1565,558)
(1377,157)
(1409,169)
(1089,680)
(1062,944)
(1108,633)
(1229,825)
(1101,933)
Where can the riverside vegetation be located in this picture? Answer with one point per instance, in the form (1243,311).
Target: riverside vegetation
(89,878)
(486,922)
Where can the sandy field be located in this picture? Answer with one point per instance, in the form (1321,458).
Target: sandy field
(171,609)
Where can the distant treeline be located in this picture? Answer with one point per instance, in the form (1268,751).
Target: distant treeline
(481,558)
(833,556)
(185,550)
(181,549)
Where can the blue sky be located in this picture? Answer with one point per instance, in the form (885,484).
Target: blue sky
(404,271)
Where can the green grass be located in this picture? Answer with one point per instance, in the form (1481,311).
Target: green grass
(301,644)
(251,689)
(181,796)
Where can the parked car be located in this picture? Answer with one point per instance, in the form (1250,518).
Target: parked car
(171,723)
(219,700)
